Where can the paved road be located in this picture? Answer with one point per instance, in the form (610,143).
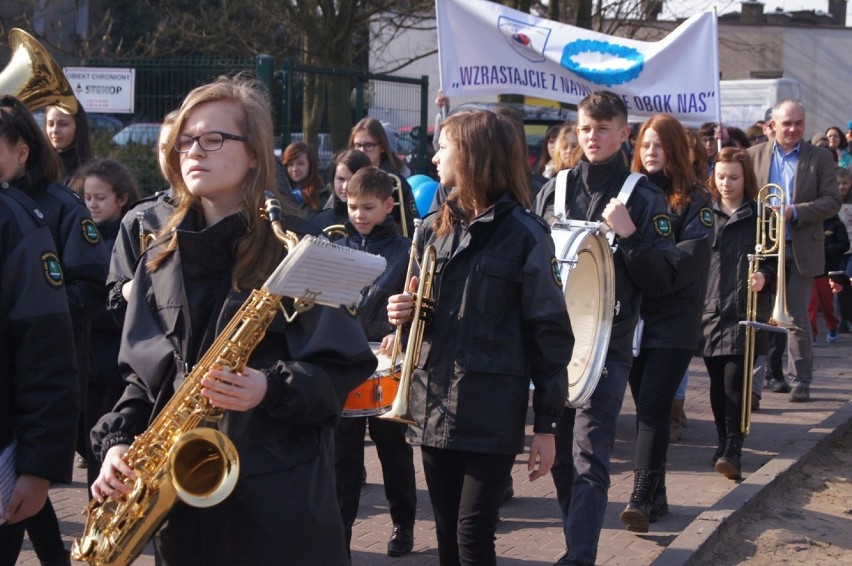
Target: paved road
(531,530)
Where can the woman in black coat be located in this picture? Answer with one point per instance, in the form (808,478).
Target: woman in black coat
(280,411)
(672,320)
(734,189)
(499,323)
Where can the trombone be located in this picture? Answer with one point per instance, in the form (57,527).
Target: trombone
(400,202)
(770,241)
(400,411)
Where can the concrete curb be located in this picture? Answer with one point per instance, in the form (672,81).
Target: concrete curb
(699,535)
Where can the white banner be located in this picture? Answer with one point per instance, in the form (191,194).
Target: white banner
(487,48)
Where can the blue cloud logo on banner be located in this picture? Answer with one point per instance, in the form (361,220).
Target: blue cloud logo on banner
(617,64)
(527,40)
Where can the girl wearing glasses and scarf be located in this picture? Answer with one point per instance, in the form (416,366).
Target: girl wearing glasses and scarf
(281,410)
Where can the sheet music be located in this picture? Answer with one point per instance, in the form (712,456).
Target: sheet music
(325,273)
(8,477)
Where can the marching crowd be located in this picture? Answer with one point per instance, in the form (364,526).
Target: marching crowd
(108,301)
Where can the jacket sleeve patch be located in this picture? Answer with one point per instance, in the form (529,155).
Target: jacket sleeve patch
(706,217)
(90,232)
(556,271)
(662,224)
(52,269)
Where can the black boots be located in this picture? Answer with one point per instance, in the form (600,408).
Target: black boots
(637,515)
(720,449)
(729,462)
(659,501)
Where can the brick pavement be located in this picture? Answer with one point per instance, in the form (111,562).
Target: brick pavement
(531,529)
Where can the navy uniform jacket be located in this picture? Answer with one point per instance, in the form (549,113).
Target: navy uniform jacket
(673,319)
(84,257)
(645,261)
(285,495)
(38,387)
(500,322)
(727,283)
(386,241)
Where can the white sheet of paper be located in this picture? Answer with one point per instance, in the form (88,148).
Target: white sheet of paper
(325,273)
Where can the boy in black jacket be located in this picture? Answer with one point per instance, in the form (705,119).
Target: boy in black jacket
(372,228)
(643,261)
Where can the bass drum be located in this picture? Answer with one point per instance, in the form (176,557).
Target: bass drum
(588,282)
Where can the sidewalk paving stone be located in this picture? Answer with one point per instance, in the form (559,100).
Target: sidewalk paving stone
(530,531)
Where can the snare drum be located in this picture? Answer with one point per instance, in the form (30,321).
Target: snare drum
(376,395)
(588,283)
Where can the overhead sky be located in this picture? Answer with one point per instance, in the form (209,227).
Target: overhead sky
(685,8)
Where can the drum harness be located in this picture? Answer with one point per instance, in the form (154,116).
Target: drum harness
(560,213)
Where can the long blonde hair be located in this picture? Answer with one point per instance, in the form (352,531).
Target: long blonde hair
(257,251)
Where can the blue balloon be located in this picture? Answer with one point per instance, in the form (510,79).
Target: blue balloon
(424,193)
(415,180)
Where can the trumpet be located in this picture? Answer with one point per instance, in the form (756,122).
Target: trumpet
(424,305)
(770,241)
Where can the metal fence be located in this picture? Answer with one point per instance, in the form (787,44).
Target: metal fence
(161,85)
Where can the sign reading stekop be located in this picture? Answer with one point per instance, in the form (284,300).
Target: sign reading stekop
(103,90)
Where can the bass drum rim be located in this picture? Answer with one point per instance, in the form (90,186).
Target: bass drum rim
(588,285)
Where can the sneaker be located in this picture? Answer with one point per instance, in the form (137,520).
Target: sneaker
(779,386)
(832,337)
(800,395)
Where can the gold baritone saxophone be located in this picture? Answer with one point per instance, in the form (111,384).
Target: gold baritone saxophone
(174,458)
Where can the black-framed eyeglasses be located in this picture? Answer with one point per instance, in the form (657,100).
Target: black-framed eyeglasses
(369,146)
(208,141)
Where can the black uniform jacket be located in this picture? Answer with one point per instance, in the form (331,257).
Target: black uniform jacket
(84,257)
(106,334)
(383,240)
(836,243)
(643,262)
(286,485)
(334,213)
(147,215)
(500,321)
(673,319)
(727,283)
(38,374)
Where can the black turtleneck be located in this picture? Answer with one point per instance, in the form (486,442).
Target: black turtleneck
(601,182)
(207,256)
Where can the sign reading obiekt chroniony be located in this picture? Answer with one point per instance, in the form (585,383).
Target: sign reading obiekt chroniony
(487,48)
(103,90)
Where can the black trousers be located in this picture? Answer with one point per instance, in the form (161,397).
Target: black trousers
(726,392)
(43,529)
(396,457)
(654,379)
(466,489)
